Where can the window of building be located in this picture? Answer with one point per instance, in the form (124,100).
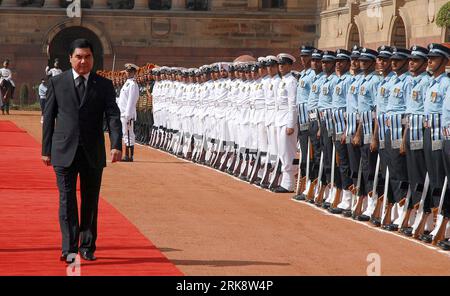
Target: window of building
(353,37)
(399,33)
(84,3)
(160,4)
(30,3)
(273,3)
(120,4)
(197,4)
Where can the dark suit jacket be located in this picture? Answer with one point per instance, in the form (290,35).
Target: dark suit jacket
(66,122)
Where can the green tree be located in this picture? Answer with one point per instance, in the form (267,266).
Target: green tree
(23,94)
(443,16)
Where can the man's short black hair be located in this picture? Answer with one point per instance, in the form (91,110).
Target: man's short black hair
(80,43)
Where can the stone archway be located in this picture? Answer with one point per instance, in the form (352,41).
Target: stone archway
(353,36)
(398,33)
(59,46)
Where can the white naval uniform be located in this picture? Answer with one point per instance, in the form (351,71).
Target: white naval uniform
(286,117)
(252,130)
(222,99)
(231,116)
(53,72)
(260,114)
(6,73)
(129,95)
(244,114)
(156,103)
(270,96)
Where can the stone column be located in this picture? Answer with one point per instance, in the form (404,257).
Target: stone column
(140,5)
(9,3)
(99,4)
(51,4)
(178,5)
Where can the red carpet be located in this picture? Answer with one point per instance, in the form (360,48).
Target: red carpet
(29,230)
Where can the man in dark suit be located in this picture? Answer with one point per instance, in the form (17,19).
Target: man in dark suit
(73,142)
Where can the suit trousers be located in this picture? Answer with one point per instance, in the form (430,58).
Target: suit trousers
(74,233)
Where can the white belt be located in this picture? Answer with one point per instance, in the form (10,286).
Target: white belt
(312,115)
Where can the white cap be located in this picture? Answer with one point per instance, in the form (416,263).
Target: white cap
(282,56)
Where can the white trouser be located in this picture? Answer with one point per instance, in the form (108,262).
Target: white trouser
(272,141)
(262,141)
(287,149)
(128,131)
(244,139)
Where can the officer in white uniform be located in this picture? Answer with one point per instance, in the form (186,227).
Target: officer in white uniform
(56,70)
(129,95)
(286,122)
(5,72)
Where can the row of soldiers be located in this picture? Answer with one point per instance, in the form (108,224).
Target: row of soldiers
(370,129)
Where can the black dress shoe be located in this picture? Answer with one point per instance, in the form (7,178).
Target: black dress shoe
(326,205)
(299,197)
(444,244)
(63,256)
(376,222)
(363,218)
(88,256)
(390,227)
(347,213)
(336,211)
(264,185)
(280,189)
(426,238)
(406,230)
(244,178)
(70,257)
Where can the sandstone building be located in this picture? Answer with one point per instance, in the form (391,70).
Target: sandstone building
(195,32)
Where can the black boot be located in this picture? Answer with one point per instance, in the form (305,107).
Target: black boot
(126,158)
(131,153)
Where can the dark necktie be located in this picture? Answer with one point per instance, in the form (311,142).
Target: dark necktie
(80,87)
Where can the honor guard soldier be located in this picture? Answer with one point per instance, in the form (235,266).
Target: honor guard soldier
(435,158)
(313,99)
(129,95)
(367,91)
(286,122)
(352,118)
(339,104)
(396,119)
(443,240)
(326,129)
(378,143)
(270,114)
(303,89)
(413,136)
